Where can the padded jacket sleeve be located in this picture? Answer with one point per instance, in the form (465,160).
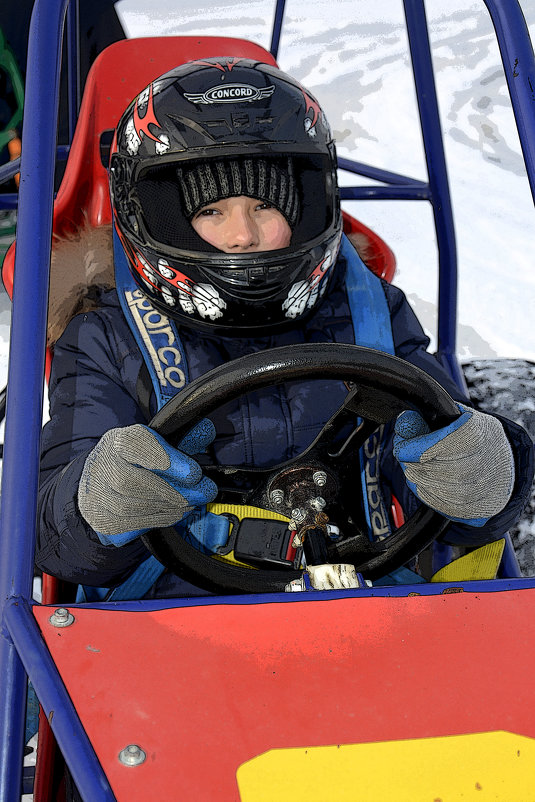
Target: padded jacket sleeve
(95,362)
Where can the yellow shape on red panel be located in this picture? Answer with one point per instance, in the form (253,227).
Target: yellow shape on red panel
(484,766)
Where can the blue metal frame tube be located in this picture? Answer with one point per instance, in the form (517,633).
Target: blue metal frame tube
(377,173)
(438,180)
(26,371)
(399,192)
(73,71)
(56,703)
(519,66)
(30,294)
(509,566)
(9,170)
(277,27)
(12,727)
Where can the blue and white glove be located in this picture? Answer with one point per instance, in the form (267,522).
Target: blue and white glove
(464,471)
(133,480)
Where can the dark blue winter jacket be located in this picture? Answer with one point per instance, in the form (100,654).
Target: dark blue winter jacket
(95,386)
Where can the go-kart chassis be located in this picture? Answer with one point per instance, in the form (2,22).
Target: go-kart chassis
(22,649)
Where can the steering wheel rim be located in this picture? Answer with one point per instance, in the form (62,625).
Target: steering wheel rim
(398,385)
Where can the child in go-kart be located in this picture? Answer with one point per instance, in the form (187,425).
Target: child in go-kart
(227,241)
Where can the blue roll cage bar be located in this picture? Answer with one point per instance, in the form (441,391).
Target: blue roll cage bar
(22,650)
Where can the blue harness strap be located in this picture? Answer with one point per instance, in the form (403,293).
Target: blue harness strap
(369,309)
(155,333)
(373,329)
(138,583)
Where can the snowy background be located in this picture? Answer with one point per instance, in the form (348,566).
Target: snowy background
(353,55)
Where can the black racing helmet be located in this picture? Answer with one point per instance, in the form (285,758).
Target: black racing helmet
(217,128)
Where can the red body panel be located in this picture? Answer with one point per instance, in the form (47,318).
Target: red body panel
(204,689)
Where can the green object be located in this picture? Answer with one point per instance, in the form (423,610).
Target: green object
(9,64)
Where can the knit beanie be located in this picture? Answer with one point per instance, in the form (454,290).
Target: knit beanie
(268,179)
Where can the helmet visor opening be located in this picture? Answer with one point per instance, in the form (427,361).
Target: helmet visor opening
(161,203)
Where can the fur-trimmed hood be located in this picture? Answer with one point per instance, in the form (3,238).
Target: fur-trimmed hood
(81,266)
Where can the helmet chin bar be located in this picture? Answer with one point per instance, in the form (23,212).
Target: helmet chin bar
(382,387)
(234,294)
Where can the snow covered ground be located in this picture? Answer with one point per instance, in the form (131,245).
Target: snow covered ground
(353,55)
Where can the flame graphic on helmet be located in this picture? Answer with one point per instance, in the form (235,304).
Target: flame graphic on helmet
(141,124)
(311,106)
(319,271)
(220,65)
(140,264)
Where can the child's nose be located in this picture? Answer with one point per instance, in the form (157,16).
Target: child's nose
(242,233)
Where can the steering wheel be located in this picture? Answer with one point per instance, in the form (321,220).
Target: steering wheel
(382,386)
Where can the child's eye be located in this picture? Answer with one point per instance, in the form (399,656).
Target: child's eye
(206,213)
(265,205)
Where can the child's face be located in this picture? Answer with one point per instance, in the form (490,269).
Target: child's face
(242,225)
